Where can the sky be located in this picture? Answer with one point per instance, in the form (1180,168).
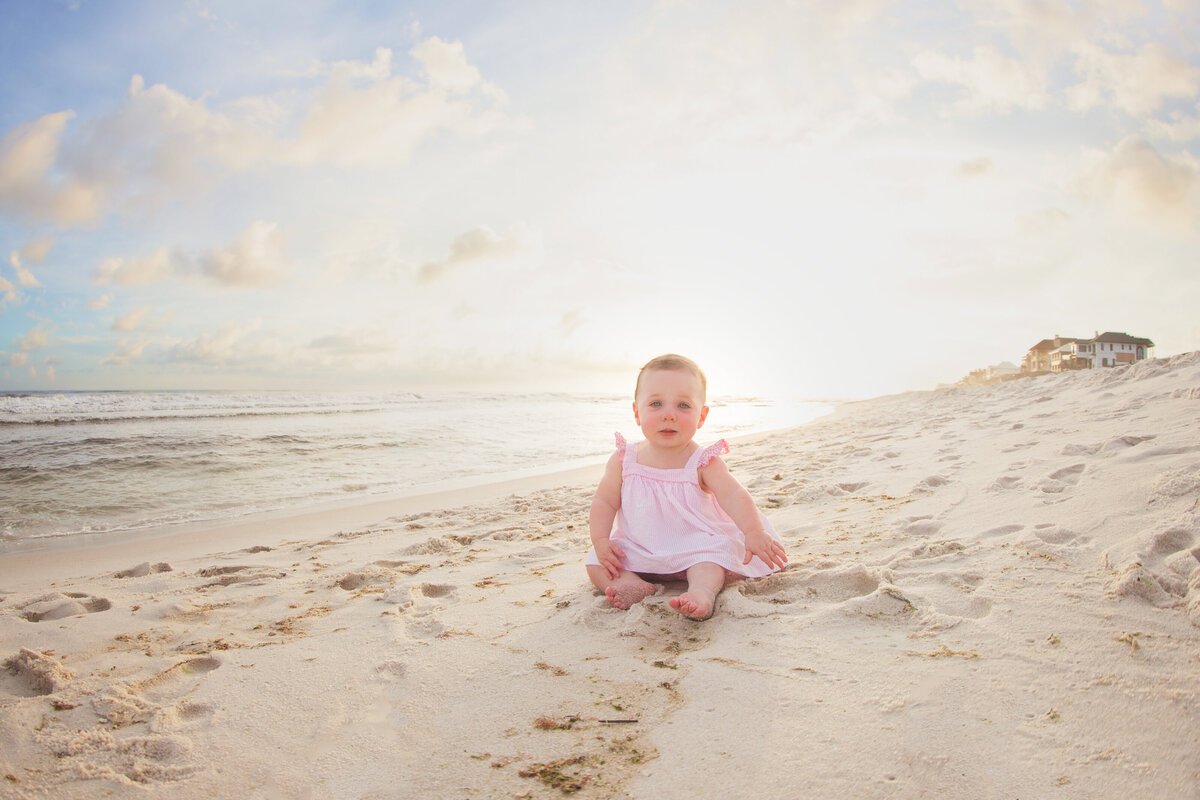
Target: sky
(821,198)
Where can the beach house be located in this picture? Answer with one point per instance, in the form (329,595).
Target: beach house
(1062,353)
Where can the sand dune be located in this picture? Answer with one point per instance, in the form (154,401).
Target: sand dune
(993,592)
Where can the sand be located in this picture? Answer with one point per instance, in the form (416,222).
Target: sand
(994,592)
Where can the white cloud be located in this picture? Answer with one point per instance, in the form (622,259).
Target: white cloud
(36,251)
(127,351)
(482,244)
(8,292)
(24,276)
(758,73)
(18,359)
(256,258)
(974,167)
(34,339)
(98,303)
(162,264)
(383,122)
(1137,83)
(130,321)
(446,66)
(224,345)
(993,81)
(160,144)
(1138,179)
(1179,127)
(28,156)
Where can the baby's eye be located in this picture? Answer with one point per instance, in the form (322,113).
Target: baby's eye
(685,405)
(655,403)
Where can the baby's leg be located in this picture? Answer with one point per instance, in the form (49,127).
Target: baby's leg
(623,591)
(705,581)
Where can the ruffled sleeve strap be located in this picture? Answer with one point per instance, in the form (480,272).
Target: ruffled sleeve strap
(620,444)
(717,448)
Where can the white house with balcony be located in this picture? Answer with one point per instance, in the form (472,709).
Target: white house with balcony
(1064,353)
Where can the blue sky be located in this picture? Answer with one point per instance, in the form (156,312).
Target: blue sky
(836,198)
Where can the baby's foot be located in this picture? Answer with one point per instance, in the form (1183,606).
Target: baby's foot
(627,590)
(694,604)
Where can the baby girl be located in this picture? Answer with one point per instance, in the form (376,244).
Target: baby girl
(668,509)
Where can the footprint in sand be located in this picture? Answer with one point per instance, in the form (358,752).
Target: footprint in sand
(1060,480)
(227,576)
(366,580)
(177,679)
(1049,533)
(424,600)
(1002,530)
(931,483)
(59,605)
(143,569)
(794,590)
(1160,566)
(920,526)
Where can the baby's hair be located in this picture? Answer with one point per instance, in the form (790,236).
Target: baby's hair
(672,361)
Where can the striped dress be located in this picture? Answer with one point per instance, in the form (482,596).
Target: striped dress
(667,523)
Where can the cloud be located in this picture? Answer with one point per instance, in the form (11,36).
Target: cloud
(1179,127)
(993,81)
(160,144)
(224,345)
(8,292)
(30,188)
(34,339)
(24,277)
(131,320)
(381,123)
(481,244)
(974,167)
(101,302)
(18,359)
(128,350)
(256,258)
(36,251)
(1140,180)
(1136,83)
(445,65)
(162,264)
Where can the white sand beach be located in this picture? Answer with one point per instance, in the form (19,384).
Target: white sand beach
(994,592)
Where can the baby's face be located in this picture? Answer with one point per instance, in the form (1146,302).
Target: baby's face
(670,407)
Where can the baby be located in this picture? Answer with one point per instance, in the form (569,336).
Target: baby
(679,514)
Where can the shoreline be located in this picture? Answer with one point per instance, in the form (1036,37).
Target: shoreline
(191,539)
(41,557)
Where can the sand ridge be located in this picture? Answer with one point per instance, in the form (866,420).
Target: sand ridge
(993,592)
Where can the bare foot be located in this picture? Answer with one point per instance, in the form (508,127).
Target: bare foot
(694,604)
(627,590)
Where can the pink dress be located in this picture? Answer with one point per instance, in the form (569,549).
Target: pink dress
(667,523)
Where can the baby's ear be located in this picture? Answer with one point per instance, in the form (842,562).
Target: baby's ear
(703,416)
(635,414)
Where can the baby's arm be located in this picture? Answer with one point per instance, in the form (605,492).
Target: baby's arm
(605,504)
(739,505)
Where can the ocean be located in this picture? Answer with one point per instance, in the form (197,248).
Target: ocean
(75,463)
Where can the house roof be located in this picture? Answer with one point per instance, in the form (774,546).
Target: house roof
(1112,337)
(1046,345)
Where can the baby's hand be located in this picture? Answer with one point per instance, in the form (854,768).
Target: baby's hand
(759,543)
(609,555)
